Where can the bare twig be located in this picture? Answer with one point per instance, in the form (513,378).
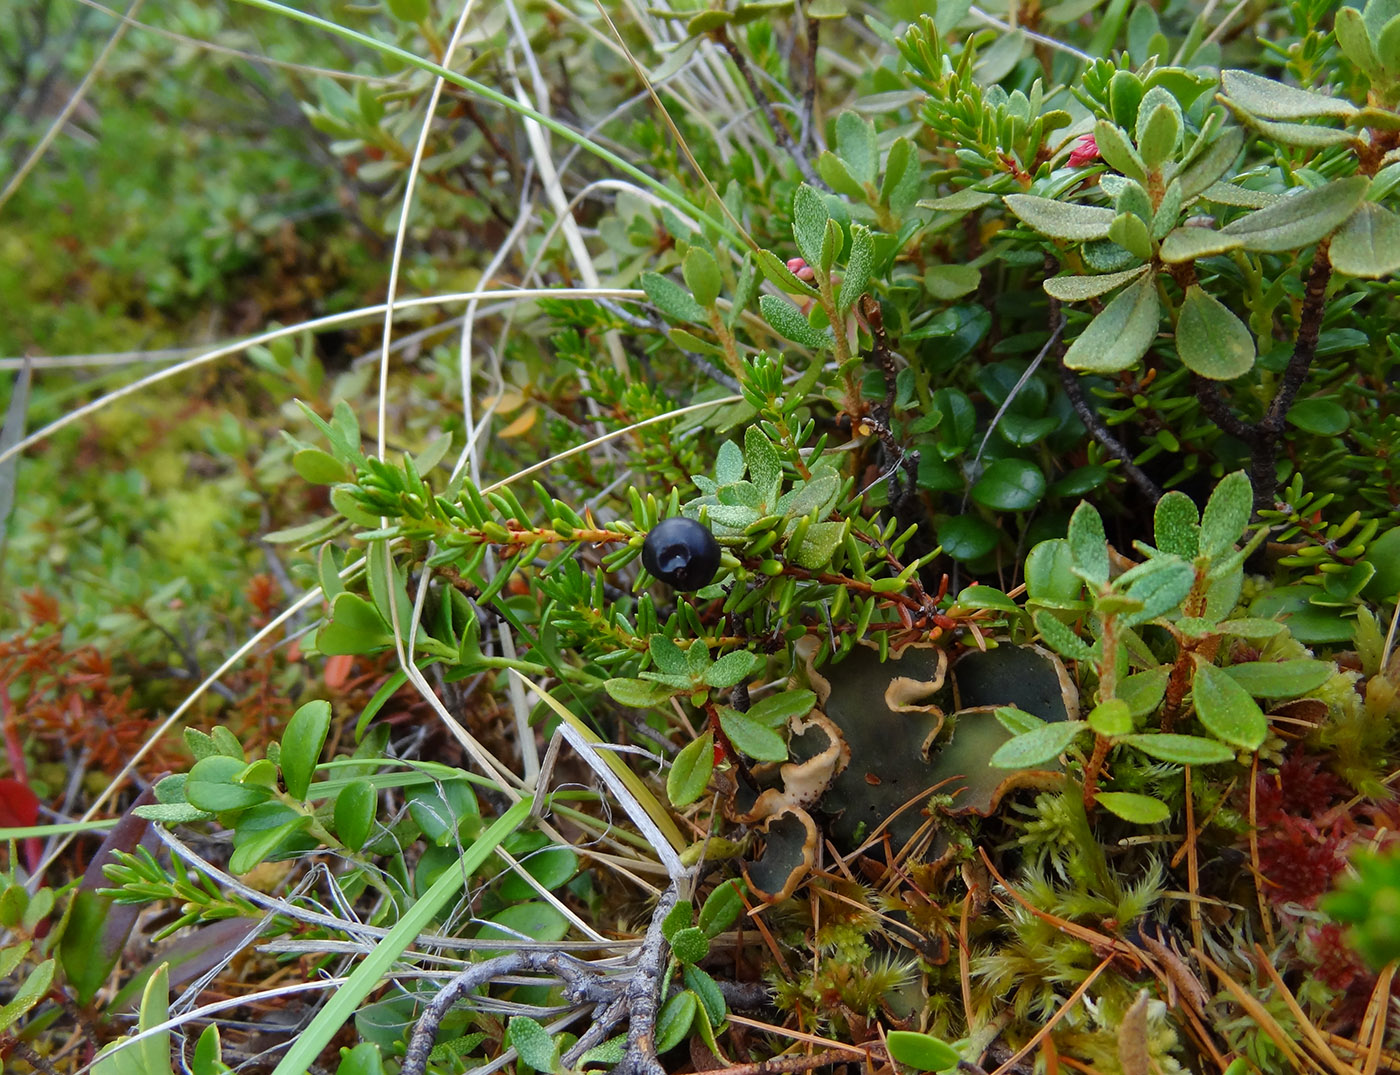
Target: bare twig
(1101,433)
(780,132)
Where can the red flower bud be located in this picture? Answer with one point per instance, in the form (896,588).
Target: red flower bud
(1086,152)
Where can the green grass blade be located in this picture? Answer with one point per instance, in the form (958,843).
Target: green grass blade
(341,1007)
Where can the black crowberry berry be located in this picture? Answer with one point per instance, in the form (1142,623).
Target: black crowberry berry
(681,553)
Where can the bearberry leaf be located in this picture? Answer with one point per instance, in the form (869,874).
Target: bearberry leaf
(1139,809)
(1080,288)
(1088,544)
(1281,679)
(1038,747)
(1061,638)
(722,908)
(668,657)
(533,1043)
(671,299)
(1112,718)
(354,813)
(1061,220)
(809,217)
(1322,417)
(819,545)
(638,693)
(1227,514)
(1210,339)
(750,737)
(1143,692)
(1300,219)
(858,267)
(1226,709)
(1275,100)
(788,322)
(966,537)
(1180,749)
(731,668)
(1121,334)
(1177,525)
(690,945)
(777,709)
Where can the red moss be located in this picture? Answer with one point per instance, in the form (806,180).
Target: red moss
(1298,861)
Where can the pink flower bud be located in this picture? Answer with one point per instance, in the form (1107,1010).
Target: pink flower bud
(800,269)
(1086,152)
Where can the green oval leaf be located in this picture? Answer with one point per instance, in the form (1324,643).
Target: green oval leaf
(1181,749)
(1121,334)
(301,745)
(1323,417)
(1300,219)
(701,275)
(1139,809)
(532,1042)
(921,1051)
(1276,100)
(1368,245)
(809,217)
(1210,339)
(673,1023)
(788,321)
(1227,514)
(1226,708)
(1038,747)
(319,468)
(1009,485)
(722,908)
(354,813)
(690,772)
(212,786)
(671,299)
(750,737)
(966,537)
(1061,220)
(1080,288)
(1281,679)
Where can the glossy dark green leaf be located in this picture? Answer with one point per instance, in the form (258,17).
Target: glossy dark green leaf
(674,1021)
(537,920)
(722,908)
(1324,417)
(966,537)
(213,786)
(253,849)
(1010,485)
